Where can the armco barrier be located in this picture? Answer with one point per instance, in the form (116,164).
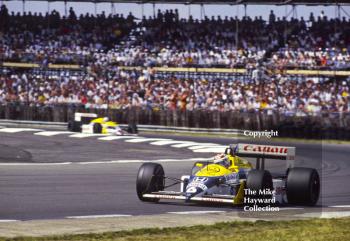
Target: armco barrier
(326,125)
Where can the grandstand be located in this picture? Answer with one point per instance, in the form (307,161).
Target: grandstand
(280,68)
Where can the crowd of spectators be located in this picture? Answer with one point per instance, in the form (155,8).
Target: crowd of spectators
(98,42)
(145,90)
(168,40)
(35,38)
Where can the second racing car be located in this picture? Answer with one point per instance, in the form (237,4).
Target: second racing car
(90,123)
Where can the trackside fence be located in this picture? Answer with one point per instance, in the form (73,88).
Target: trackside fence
(316,126)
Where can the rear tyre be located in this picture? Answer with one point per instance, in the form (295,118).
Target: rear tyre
(132,129)
(150,178)
(73,126)
(70,126)
(260,182)
(303,186)
(97,128)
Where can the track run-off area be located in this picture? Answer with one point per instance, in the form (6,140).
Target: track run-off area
(51,176)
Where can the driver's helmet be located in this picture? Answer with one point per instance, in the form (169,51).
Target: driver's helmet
(105,119)
(222,159)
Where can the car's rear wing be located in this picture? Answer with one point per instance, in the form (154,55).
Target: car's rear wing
(262,152)
(85,118)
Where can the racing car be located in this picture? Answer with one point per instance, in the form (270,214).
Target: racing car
(90,123)
(227,177)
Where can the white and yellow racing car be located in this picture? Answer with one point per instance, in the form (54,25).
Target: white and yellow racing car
(90,123)
(229,178)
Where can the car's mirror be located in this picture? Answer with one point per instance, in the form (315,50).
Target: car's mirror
(199,164)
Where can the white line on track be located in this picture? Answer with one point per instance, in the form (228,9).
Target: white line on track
(94,162)
(15,130)
(52,133)
(340,206)
(190,143)
(102,162)
(36,164)
(83,135)
(185,144)
(8,220)
(205,146)
(218,149)
(138,140)
(99,216)
(325,214)
(167,142)
(196,212)
(201,159)
(161,160)
(111,138)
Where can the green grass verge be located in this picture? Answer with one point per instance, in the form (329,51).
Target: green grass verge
(306,230)
(232,136)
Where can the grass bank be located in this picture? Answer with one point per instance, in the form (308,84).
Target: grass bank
(306,230)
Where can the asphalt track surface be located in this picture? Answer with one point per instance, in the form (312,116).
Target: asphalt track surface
(33,185)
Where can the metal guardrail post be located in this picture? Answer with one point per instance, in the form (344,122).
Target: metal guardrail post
(8,112)
(28,114)
(163,117)
(56,113)
(258,121)
(149,117)
(183,118)
(2,111)
(176,117)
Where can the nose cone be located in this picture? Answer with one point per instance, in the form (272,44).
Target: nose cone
(188,196)
(193,191)
(199,185)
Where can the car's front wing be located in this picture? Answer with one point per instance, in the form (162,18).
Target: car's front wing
(179,196)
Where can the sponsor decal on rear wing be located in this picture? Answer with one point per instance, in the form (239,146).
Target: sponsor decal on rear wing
(79,116)
(265,151)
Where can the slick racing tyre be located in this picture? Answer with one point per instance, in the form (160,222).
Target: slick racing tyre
(70,126)
(132,129)
(73,126)
(150,178)
(259,181)
(97,128)
(303,186)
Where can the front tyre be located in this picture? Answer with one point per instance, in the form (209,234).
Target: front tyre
(70,126)
(303,186)
(260,182)
(150,178)
(97,128)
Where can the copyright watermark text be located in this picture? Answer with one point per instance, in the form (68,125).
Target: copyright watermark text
(259,134)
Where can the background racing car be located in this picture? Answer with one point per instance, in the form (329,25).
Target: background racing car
(89,123)
(224,179)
